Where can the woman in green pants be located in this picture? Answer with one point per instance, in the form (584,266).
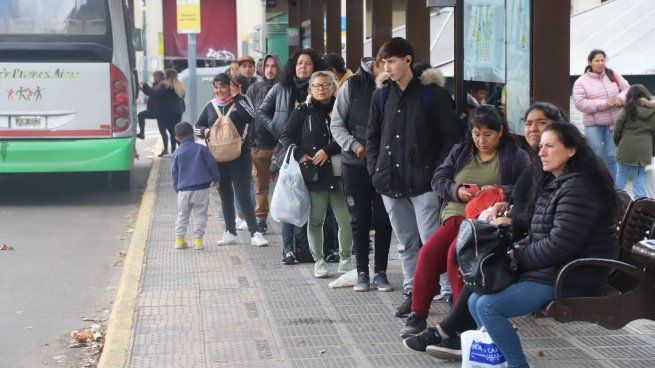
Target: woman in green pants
(308,128)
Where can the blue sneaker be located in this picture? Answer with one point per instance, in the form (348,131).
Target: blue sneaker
(262,227)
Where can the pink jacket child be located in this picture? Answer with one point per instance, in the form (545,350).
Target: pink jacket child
(591,92)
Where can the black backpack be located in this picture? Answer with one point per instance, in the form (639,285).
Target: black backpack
(481,251)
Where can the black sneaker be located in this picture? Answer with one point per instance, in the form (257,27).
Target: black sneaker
(421,341)
(381,281)
(141,135)
(403,310)
(163,153)
(413,326)
(332,257)
(448,349)
(262,227)
(363,282)
(289,259)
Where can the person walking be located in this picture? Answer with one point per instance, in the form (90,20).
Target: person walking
(235,174)
(263,141)
(274,111)
(152,107)
(634,136)
(349,118)
(599,94)
(171,107)
(406,140)
(308,129)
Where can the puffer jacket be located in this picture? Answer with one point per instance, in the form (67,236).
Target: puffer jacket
(590,93)
(405,142)
(568,223)
(635,139)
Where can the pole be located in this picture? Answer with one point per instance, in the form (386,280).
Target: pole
(263,45)
(145,47)
(191,57)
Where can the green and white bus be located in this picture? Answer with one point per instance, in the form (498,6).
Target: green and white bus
(68,84)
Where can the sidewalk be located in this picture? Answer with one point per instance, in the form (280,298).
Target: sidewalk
(238,306)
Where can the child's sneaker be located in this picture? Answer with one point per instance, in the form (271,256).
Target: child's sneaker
(258,240)
(197,244)
(228,238)
(180,243)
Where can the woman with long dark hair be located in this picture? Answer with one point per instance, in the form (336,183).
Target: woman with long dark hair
(572,211)
(599,94)
(634,136)
(276,108)
(489,157)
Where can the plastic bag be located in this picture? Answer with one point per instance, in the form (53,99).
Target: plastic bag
(479,351)
(290,202)
(348,279)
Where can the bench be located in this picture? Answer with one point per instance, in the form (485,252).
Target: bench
(629,294)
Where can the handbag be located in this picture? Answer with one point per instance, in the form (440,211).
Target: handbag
(482,201)
(309,172)
(481,251)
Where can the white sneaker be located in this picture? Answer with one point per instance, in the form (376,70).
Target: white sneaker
(346,265)
(228,238)
(241,224)
(258,240)
(320,269)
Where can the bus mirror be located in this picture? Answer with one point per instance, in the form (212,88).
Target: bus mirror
(137,39)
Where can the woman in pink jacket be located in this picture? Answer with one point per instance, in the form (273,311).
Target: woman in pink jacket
(599,94)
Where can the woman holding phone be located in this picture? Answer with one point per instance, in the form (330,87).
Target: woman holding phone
(489,157)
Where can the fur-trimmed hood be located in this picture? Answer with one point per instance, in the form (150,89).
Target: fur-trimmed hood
(647,103)
(429,76)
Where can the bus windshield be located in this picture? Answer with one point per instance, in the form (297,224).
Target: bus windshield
(54,17)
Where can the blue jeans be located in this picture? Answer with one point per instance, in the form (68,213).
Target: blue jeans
(601,142)
(287,237)
(493,310)
(638,179)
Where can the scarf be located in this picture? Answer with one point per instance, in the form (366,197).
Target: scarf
(300,89)
(222,102)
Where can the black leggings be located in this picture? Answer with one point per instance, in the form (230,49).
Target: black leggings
(142,116)
(167,122)
(235,180)
(459,319)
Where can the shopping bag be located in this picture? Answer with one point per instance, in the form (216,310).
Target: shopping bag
(479,351)
(290,202)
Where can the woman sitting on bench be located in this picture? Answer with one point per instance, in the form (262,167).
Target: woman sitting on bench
(572,211)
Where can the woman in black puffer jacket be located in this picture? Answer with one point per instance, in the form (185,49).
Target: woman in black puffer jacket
(309,129)
(572,210)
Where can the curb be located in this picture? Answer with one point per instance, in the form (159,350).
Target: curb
(121,319)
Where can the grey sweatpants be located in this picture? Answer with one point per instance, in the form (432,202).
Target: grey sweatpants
(413,219)
(196,201)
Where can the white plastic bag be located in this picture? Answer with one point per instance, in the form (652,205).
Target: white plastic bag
(348,279)
(479,351)
(290,202)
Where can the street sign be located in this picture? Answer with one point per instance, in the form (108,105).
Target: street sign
(188,16)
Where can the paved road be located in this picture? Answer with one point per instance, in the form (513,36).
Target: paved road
(67,231)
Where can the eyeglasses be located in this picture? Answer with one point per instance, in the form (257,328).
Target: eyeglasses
(322,85)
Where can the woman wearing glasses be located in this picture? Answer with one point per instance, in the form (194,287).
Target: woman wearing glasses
(308,128)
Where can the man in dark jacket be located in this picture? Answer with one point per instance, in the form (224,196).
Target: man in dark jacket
(407,137)
(263,141)
(152,108)
(349,118)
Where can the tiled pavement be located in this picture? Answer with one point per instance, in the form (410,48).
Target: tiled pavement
(237,306)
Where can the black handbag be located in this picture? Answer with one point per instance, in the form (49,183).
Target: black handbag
(481,250)
(309,172)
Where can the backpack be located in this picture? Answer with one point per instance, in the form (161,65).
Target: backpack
(481,251)
(224,139)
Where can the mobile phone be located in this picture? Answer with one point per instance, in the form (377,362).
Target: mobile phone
(473,189)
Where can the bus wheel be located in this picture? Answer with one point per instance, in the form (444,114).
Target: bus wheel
(120,180)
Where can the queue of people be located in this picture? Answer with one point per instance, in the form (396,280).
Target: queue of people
(382,150)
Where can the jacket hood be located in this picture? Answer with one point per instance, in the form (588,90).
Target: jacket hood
(279,67)
(429,76)
(366,66)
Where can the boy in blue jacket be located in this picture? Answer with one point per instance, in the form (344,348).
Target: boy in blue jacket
(194,171)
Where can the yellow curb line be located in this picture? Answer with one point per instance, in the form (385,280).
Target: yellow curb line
(121,319)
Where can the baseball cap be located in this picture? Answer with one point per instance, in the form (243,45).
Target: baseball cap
(246,58)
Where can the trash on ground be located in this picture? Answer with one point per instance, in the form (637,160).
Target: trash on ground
(348,279)
(6,247)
